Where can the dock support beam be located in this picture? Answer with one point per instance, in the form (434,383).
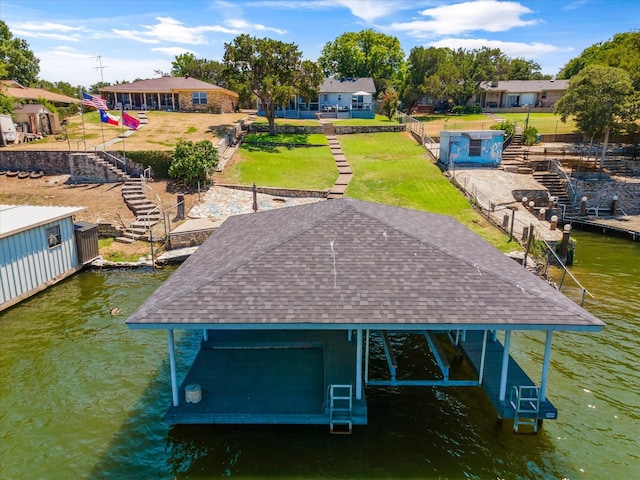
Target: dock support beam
(172,365)
(505,366)
(484,353)
(545,366)
(205,335)
(366,357)
(359,364)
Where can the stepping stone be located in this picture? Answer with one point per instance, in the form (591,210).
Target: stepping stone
(340,157)
(338,189)
(345,170)
(344,179)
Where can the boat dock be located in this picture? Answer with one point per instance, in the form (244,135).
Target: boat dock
(627,226)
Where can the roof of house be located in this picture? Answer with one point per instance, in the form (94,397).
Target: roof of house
(18,218)
(340,263)
(525,86)
(166,84)
(12,88)
(348,85)
(32,108)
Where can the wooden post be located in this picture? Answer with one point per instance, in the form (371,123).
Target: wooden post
(583,206)
(180,215)
(505,365)
(172,366)
(545,366)
(513,221)
(614,204)
(359,364)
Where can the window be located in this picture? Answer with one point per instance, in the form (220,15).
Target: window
(339,97)
(53,236)
(543,95)
(199,98)
(475,148)
(325,97)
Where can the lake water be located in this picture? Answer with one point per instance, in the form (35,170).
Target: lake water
(82,396)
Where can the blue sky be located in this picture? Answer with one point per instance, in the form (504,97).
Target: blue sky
(134,38)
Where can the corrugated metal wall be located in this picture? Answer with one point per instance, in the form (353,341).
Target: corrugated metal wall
(27,261)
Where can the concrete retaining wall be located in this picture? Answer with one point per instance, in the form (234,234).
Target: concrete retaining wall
(600,193)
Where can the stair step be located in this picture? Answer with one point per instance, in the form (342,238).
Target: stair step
(126,240)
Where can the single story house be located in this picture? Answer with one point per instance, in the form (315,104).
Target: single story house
(36,118)
(39,247)
(481,148)
(337,98)
(11,88)
(295,306)
(184,94)
(520,93)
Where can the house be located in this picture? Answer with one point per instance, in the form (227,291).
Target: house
(184,94)
(11,88)
(481,148)
(36,118)
(337,98)
(294,305)
(519,93)
(39,249)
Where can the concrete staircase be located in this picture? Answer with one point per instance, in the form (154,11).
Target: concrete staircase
(514,157)
(146,212)
(555,184)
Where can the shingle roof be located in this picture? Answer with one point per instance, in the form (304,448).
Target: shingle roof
(349,262)
(14,89)
(526,86)
(166,84)
(348,85)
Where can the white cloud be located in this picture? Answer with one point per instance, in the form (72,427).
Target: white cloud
(370,10)
(482,15)
(47,30)
(173,51)
(511,49)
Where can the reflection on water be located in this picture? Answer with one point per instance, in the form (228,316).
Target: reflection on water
(82,396)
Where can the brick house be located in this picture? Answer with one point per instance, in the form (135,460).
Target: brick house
(183,94)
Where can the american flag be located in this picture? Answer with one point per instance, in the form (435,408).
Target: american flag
(94,101)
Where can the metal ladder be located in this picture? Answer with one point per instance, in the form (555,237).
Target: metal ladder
(340,408)
(525,401)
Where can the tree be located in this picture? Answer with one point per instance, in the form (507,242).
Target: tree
(193,162)
(365,54)
(389,103)
(273,70)
(17,62)
(7,104)
(421,65)
(212,71)
(600,99)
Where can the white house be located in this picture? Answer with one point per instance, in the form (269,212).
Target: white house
(337,98)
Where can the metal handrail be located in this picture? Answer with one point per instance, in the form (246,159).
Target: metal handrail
(566,270)
(113,159)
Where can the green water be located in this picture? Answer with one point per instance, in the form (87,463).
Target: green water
(82,396)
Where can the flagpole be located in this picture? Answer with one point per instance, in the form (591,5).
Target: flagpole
(124,152)
(82,116)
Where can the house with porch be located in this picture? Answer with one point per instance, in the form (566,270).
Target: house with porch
(293,306)
(520,93)
(184,94)
(339,98)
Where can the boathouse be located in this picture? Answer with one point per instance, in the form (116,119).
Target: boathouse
(292,304)
(38,248)
(478,148)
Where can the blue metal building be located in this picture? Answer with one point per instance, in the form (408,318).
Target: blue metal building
(37,249)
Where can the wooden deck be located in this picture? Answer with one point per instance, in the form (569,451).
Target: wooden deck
(472,349)
(268,377)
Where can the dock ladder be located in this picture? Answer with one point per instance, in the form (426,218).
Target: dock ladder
(340,408)
(525,401)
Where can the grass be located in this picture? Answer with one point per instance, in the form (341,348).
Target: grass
(546,123)
(109,252)
(309,168)
(391,168)
(379,120)
(291,138)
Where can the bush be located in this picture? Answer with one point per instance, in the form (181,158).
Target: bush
(530,136)
(508,127)
(458,110)
(159,161)
(193,162)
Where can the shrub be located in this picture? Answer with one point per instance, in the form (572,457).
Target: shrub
(508,127)
(530,136)
(193,162)
(458,110)
(159,161)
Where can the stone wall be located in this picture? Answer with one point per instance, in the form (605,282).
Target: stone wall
(351,129)
(51,163)
(217,102)
(600,193)
(299,129)
(279,192)
(188,239)
(84,169)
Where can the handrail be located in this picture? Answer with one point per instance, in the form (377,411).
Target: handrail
(566,270)
(115,158)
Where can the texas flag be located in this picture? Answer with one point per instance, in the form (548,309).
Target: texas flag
(106,117)
(129,121)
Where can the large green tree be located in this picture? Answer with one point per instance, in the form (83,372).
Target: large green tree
(365,54)
(600,99)
(17,61)
(273,70)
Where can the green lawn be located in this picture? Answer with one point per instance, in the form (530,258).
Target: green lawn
(310,168)
(546,123)
(379,120)
(292,138)
(391,168)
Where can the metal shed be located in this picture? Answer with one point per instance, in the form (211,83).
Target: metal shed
(37,249)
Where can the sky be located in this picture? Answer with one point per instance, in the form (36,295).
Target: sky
(83,42)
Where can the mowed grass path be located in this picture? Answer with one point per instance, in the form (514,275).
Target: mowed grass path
(391,168)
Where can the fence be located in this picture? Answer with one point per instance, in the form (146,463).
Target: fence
(416,127)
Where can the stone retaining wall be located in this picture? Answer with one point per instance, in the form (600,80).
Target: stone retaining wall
(600,193)
(340,129)
(279,192)
(51,163)
(84,169)
(188,239)
(351,129)
(107,230)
